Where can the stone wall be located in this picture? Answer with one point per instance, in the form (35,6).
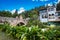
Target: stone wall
(14,21)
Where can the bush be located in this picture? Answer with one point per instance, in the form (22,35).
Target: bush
(31,33)
(36,23)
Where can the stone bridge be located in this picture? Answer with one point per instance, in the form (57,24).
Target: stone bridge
(14,21)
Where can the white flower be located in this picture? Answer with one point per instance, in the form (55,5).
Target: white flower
(30,28)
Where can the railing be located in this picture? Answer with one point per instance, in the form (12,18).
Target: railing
(57,18)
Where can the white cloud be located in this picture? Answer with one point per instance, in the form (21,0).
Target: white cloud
(7,10)
(33,0)
(36,0)
(43,0)
(13,11)
(21,10)
(58,1)
(49,4)
(40,0)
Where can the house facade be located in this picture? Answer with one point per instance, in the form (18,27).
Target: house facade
(49,14)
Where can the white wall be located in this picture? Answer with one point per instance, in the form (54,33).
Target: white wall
(52,12)
(43,19)
(48,12)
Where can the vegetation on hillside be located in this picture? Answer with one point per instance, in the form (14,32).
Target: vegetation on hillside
(8,14)
(5,14)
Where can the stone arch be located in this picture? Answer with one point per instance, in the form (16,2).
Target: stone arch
(20,23)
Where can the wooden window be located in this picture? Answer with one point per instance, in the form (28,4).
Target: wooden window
(44,16)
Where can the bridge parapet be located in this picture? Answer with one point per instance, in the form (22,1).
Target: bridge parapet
(14,21)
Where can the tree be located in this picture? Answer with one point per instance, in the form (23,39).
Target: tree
(5,14)
(16,13)
(58,6)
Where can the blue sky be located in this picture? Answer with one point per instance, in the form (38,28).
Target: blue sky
(26,4)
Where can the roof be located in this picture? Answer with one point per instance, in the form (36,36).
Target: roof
(43,9)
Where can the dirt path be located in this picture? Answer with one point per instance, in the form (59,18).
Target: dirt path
(3,36)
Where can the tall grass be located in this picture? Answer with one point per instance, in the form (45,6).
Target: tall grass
(31,33)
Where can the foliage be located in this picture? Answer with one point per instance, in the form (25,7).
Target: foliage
(5,14)
(31,33)
(16,13)
(58,6)
(36,22)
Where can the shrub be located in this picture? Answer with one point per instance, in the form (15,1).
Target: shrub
(31,33)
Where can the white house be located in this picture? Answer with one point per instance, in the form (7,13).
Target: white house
(43,15)
(49,14)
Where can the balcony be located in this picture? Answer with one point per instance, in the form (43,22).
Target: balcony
(52,18)
(58,18)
